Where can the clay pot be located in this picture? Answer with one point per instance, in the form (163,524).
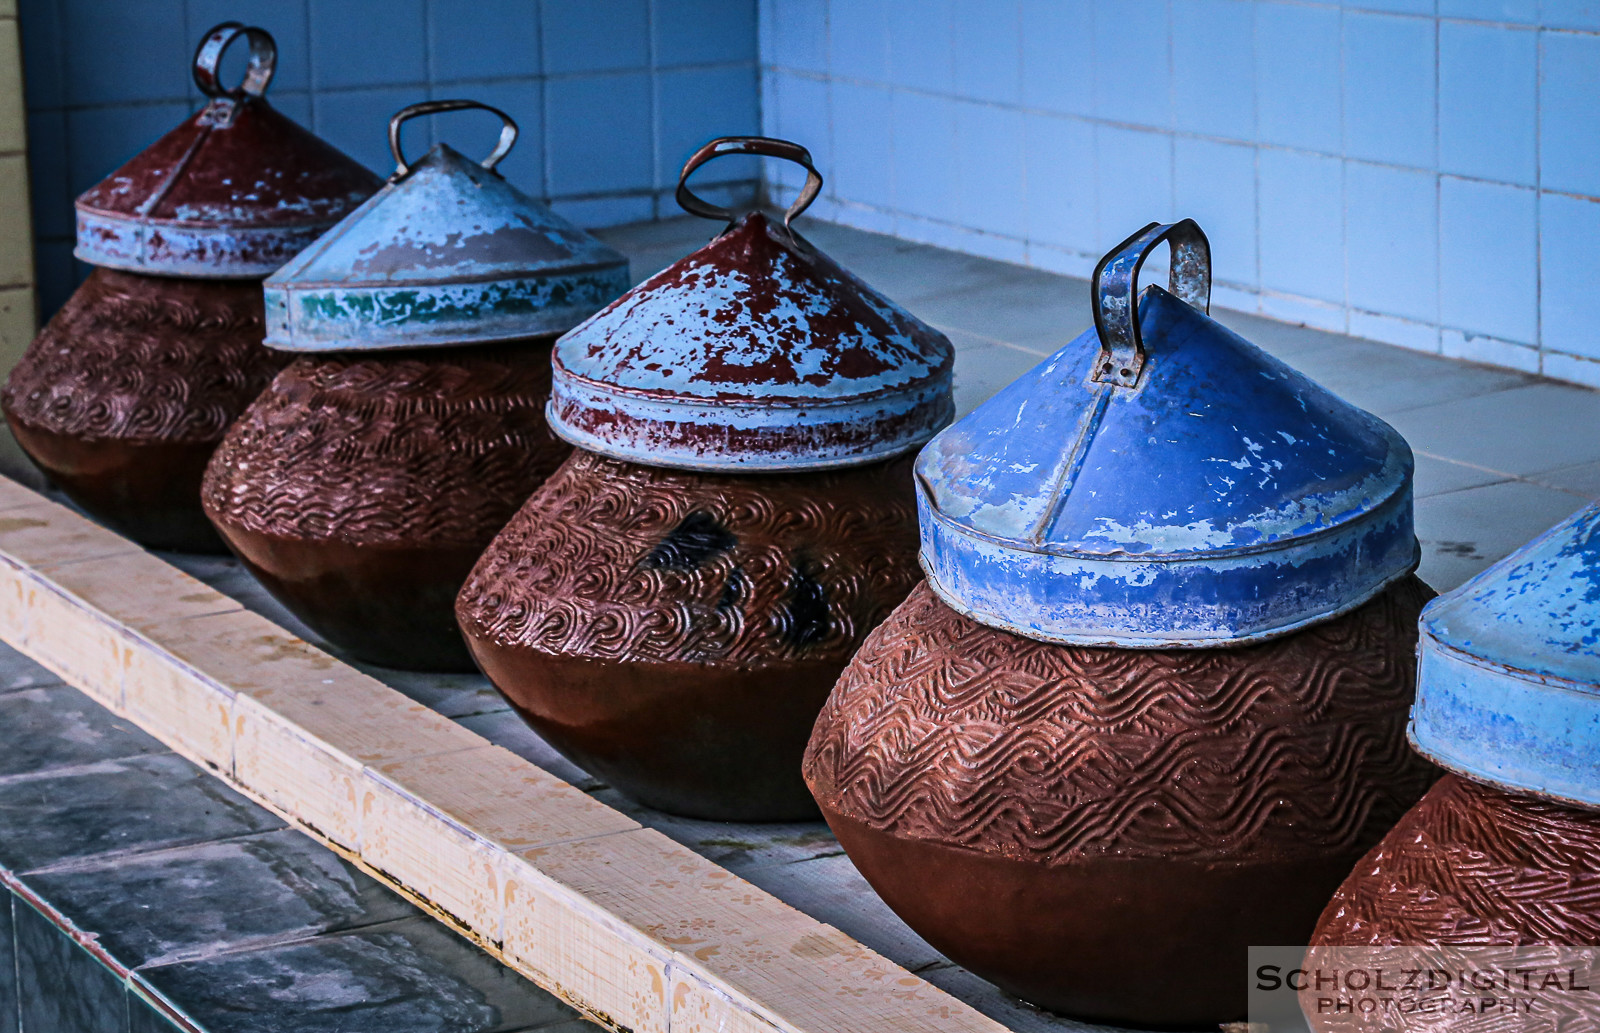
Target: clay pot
(1105,831)
(124,395)
(676,632)
(361,488)
(1470,869)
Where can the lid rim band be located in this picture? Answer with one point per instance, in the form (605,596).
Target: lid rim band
(1494,725)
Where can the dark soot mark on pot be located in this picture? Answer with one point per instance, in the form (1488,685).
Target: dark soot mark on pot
(694,541)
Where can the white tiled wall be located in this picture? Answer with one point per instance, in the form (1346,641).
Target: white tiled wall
(611,95)
(1422,172)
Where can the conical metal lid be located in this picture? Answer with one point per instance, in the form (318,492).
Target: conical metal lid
(447,253)
(233,192)
(757,352)
(1508,677)
(1160,482)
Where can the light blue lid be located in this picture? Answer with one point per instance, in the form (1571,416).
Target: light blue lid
(447,253)
(1160,482)
(1508,680)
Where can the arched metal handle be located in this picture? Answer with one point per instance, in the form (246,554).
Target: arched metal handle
(508,130)
(1116,293)
(766,147)
(263,60)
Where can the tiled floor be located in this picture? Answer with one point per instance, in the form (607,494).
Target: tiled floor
(1500,455)
(130,876)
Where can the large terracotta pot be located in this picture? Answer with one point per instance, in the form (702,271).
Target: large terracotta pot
(124,395)
(1104,831)
(360,489)
(675,632)
(1473,879)
(1472,865)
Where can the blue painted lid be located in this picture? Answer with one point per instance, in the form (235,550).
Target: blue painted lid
(1508,677)
(1161,482)
(447,253)
(756,352)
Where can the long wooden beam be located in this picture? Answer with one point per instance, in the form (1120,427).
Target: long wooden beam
(638,931)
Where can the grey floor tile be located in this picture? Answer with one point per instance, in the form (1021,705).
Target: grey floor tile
(1463,532)
(19,672)
(144,1017)
(831,890)
(1523,430)
(1002,1007)
(1285,340)
(413,976)
(61,986)
(1581,479)
(60,727)
(1436,476)
(1387,380)
(162,906)
(138,803)
(1027,310)
(9,1017)
(984,367)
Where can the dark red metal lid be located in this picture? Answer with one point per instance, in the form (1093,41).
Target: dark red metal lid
(236,190)
(757,352)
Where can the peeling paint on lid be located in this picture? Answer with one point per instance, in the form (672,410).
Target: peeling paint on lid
(1508,681)
(1169,485)
(756,352)
(447,253)
(234,191)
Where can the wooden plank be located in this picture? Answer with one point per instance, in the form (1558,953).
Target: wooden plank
(634,928)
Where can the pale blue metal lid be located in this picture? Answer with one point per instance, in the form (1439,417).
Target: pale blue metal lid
(1160,482)
(447,253)
(1508,676)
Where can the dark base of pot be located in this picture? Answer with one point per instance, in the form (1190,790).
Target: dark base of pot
(1150,942)
(146,491)
(684,738)
(387,605)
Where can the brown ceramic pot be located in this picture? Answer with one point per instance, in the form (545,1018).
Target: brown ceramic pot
(360,489)
(1104,831)
(1470,868)
(675,633)
(126,392)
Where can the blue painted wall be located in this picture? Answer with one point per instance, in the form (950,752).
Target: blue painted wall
(611,95)
(1422,172)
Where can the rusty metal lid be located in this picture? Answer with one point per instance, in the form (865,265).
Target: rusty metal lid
(756,352)
(447,253)
(1508,673)
(1161,482)
(233,192)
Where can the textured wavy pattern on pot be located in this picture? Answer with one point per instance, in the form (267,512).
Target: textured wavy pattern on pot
(124,394)
(361,489)
(675,632)
(1060,819)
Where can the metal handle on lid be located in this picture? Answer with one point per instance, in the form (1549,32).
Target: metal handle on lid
(508,130)
(1116,293)
(263,60)
(766,147)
